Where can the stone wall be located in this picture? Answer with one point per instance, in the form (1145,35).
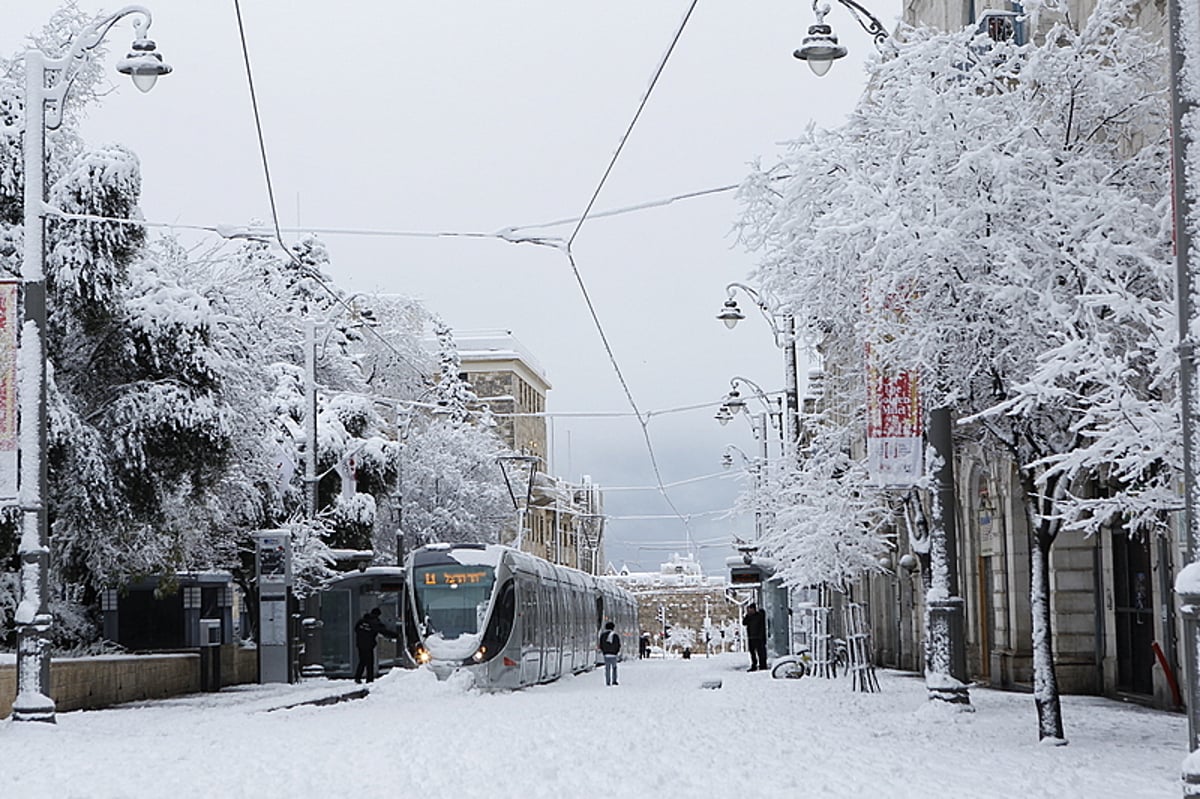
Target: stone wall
(686,607)
(95,682)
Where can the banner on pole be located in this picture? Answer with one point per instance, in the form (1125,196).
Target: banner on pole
(895,451)
(10,320)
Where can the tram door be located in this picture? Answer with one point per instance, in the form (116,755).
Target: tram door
(598,627)
(530,659)
(555,632)
(546,619)
(1135,613)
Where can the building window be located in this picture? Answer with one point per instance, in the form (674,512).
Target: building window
(1004,26)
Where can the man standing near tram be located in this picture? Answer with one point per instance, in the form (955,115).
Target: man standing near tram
(366,633)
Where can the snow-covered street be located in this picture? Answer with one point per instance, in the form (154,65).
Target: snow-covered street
(657,734)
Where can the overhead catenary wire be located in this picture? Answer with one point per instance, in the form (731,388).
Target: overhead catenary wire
(311,271)
(566,246)
(612,162)
(687,481)
(699,406)
(569,252)
(506,234)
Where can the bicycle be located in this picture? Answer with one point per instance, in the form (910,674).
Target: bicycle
(792,667)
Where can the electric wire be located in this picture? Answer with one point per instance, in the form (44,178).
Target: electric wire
(308,269)
(608,414)
(642,421)
(688,481)
(662,64)
(505,234)
(262,145)
(567,249)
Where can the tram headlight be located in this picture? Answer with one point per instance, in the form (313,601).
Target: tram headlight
(422,655)
(480,654)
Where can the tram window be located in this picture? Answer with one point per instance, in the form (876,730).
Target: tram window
(453,600)
(501,624)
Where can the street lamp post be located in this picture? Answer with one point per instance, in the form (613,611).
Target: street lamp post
(47,83)
(784,330)
(820,47)
(734,403)
(756,470)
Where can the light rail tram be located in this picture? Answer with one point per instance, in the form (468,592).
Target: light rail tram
(509,618)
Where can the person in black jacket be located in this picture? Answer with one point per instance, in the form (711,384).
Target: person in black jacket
(756,636)
(610,647)
(366,632)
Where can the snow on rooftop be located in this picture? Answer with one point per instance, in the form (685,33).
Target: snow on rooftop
(496,345)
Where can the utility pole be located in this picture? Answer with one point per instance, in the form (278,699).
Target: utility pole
(310,405)
(1184,29)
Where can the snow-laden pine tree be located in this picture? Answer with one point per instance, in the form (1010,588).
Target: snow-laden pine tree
(1012,202)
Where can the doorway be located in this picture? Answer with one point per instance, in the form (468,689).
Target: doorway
(1133,604)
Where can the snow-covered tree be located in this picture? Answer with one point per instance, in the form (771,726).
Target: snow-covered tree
(829,526)
(680,638)
(176,386)
(451,487)
(1010,201)
(456,399)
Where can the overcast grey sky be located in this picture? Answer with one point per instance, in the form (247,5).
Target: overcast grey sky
(404,116)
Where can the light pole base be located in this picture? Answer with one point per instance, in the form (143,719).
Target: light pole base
(34,707)
(1191,774)
(957,695)
(33,701)
(946,678)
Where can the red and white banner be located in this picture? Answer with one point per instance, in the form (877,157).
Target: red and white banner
(10,320)
(894,442)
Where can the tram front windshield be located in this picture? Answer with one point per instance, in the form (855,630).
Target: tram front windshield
(452,600)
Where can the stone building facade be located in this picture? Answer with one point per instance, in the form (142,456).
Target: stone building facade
(680,598)
(564,521)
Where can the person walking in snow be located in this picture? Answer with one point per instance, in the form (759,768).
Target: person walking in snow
(756,636)
(644,646)
(610,647)
(366,633)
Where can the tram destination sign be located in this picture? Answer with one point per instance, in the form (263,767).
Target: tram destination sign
(456,577)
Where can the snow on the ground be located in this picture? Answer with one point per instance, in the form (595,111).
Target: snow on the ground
(657,734)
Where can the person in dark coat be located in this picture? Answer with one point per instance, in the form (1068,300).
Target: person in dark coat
(644,646)
(756,636)
(610,647)
(366,633)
